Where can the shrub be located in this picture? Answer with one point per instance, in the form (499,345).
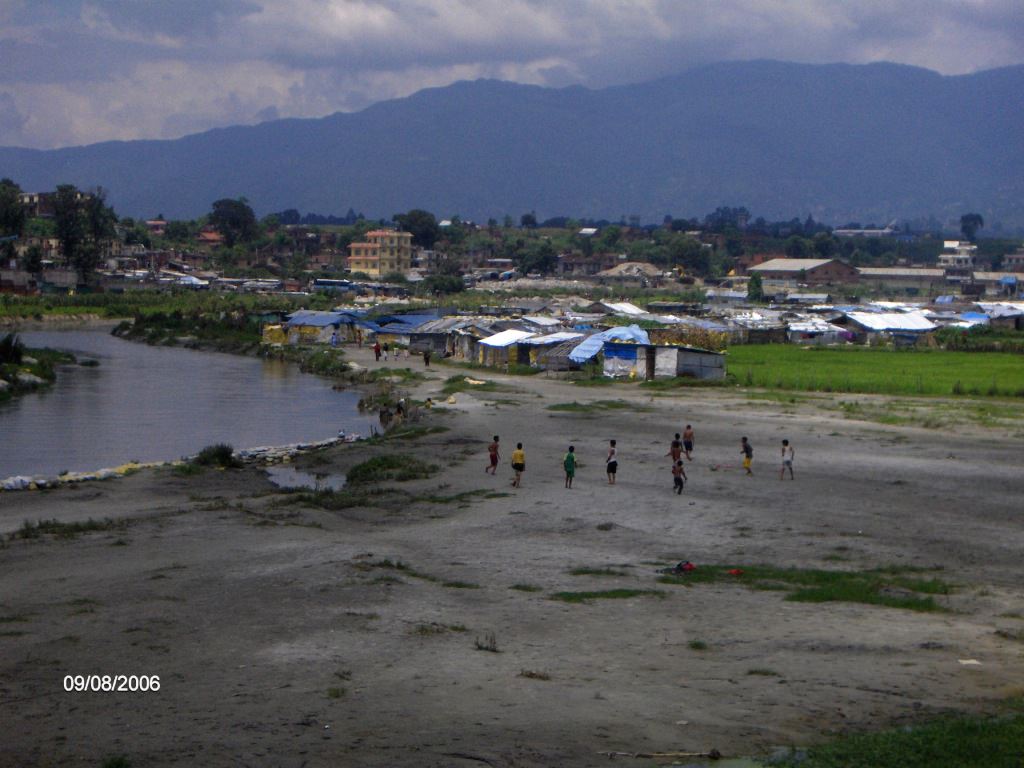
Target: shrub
(219,455)
(11,349)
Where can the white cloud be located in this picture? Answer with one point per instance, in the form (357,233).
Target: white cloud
(90,70)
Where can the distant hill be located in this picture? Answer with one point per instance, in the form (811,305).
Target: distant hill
(842,142)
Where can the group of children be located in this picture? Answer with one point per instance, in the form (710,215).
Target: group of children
(682,445)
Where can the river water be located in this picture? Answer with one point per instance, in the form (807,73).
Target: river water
(145,403)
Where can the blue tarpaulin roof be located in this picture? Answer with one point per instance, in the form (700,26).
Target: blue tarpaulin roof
(590,346)
(1008,280)
(315,319)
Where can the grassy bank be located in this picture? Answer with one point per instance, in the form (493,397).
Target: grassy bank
(24,370)
(132,303)
(854,369)
(953,742)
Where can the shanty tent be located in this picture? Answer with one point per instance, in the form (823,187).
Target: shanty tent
(593,345)
(501,348)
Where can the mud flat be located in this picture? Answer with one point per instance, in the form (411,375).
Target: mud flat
(450,620)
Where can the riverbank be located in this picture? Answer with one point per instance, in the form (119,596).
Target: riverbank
(528,626)
(23,369)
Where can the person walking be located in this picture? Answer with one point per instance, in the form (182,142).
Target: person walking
(376,350)
(678,476)
(569,465)
(385,348)
(518,464)
(675,450)
(748,454)
(787,460)
(688,442)
(492,453)
(612,462)
(426,358)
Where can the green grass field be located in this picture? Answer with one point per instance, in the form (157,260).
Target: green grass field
(882,371)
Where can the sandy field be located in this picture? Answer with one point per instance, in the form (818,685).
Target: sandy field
(284,634)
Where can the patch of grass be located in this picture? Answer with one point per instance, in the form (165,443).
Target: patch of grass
(60,530)
(763,672)
(19,617)
(596,572)
(605,526)
(346,498)
(596,406)
(681,382)
(532,675)
(954,742)
(335,692)
(455,384)
(880,371)
(697,645)
(881,586)
(390,467)
(118,761)
(608,594)
(12,633)
(460,585)
(427,629)
(187,469)
(525,588)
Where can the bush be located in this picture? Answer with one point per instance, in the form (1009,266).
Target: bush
(11,349)
(219,455)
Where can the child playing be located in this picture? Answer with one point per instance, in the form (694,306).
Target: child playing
(678,476)
(569,464)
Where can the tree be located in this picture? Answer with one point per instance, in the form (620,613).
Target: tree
(970,223)
(421,224)
(85,226)
(541,258)
(12,214)
(33,262)
(824,245)
(755,288)
(528,220)
(796,247)
(235,221)
(69,223)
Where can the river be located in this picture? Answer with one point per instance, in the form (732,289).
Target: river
(145,403)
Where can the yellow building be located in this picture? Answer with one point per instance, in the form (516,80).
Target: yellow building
(385,251)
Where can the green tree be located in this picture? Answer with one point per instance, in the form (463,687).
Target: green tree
(755,288)
(33,262)
(70,225)
(796,247)
(824,245)
(421,224)
(235,221)
(178,231)
(540,257)
(528,220)
(970,223)
(12,215)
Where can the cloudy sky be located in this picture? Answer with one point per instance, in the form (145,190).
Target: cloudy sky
(80,71)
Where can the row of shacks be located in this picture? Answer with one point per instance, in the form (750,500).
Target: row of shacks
(576,338)
(538,341)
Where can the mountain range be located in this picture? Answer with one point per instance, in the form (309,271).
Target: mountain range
(841,142)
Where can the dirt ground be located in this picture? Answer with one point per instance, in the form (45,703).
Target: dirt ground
(282,637)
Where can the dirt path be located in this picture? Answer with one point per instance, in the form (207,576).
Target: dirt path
(282,636)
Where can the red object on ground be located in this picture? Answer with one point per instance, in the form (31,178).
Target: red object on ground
(735,571)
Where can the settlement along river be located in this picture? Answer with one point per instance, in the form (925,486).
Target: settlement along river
(145,403)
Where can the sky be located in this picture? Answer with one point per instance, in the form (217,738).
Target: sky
(82,71)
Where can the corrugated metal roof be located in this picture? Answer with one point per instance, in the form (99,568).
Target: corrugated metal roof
(542,320)
(789,265)
(553,338)
(892,321)
(506,338)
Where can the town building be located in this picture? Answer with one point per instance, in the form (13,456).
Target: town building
(384,251)
(806,271)
(957,260)
(1014,262)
